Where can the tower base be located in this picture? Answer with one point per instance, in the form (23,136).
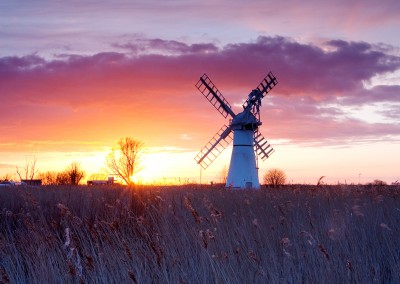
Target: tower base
(243,172)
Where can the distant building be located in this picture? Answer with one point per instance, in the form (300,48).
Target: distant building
(36,182)
(109,181)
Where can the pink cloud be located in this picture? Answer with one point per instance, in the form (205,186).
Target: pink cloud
(153,91)
(305,122)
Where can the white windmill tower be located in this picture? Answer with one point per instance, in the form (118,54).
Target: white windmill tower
(247,140)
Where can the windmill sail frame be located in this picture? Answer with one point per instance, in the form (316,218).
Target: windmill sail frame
(214,147)
(214,96)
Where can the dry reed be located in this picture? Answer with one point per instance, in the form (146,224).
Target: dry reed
(199,234)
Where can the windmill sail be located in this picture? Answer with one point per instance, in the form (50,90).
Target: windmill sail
(213,95)
(214,147)
(264,87)
(262,147)
(267,84)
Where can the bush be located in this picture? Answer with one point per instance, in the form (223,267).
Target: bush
(275,177)
(48,178)
(71,175)
(378,182)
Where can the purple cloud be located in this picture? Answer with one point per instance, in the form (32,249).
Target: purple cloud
(315,82)
(143,45)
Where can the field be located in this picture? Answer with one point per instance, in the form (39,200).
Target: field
(194,234)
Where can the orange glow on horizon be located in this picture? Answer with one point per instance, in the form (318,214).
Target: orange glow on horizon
(177,166)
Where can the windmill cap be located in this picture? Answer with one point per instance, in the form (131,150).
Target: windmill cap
(245,119)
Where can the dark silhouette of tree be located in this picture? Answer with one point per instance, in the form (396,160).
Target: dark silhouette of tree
(29,170)
(75,173)
(124,160)
(275,177)
(71,175)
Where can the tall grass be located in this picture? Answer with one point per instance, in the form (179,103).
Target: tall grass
(336,234)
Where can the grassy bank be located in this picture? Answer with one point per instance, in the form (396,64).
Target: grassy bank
(189,234)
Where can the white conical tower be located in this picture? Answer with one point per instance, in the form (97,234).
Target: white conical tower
(243,172)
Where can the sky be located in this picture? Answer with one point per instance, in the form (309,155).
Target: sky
(76,76)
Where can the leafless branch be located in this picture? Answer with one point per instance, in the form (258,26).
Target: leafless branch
(124,160)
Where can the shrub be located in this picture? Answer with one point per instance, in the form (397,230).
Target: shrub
(48,178)
(379,182)
(275,177)
(71,175)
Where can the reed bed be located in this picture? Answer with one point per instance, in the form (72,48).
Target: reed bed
(200,234)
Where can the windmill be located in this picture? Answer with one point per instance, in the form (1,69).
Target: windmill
(242,129)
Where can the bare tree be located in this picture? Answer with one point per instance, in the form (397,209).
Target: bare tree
(275,177)
(29,170)
(75,173)
(72,175)
(124,160)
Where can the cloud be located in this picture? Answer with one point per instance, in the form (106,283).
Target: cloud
(185,137)
(6,166)
(88,26)
(147,89)
(142,45)
(307,123)
(379,93)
